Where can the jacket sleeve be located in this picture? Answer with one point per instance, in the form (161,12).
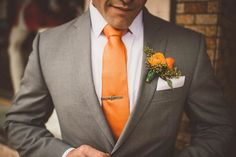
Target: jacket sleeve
(31,108)
(211,125)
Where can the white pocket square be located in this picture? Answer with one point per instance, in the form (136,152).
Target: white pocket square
(176,83)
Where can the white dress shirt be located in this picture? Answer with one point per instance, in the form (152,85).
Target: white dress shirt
(133,41)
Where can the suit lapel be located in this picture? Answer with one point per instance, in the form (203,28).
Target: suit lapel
(83,72)
(155,38)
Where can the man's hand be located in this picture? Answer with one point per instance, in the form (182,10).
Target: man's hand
(87,151)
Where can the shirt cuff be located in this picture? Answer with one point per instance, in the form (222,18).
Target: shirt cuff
(67,152)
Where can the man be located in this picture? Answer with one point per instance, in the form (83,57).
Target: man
(104,105)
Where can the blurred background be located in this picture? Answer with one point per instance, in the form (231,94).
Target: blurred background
(20,20)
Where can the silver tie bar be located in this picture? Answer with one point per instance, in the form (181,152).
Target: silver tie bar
(111,98)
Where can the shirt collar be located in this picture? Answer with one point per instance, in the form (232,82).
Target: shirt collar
(98,22)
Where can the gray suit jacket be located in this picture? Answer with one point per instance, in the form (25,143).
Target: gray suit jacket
(59,75)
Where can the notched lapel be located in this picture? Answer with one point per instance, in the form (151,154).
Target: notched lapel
(154,37)
(83,72)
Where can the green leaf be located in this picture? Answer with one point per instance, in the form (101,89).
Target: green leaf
(169,82)
(150,76)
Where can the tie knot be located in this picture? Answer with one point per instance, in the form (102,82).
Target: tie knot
(111,31)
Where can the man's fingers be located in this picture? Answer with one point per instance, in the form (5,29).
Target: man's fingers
(87,151)
(92,152)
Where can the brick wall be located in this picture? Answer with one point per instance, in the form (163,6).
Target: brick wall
(226,69)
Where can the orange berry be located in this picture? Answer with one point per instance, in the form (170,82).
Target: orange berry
(170,62)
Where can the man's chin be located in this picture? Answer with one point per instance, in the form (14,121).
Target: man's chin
(119,24)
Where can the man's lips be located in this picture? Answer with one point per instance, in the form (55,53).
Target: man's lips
(123,8)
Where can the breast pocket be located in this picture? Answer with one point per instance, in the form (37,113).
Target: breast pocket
(169,95)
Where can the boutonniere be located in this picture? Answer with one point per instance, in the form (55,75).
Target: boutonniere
(160,66)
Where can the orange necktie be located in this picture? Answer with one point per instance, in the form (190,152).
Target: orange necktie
(115,99)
